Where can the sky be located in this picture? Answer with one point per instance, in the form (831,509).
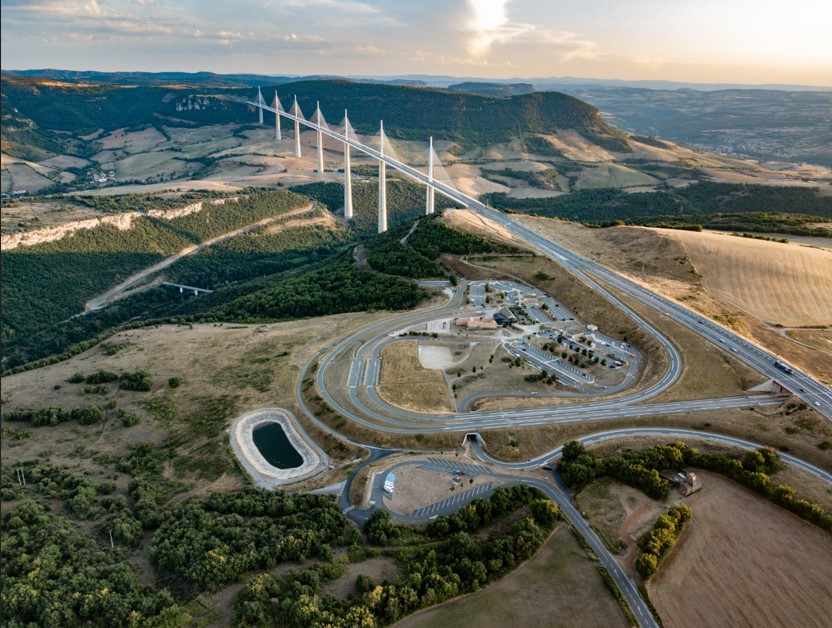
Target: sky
(708,41)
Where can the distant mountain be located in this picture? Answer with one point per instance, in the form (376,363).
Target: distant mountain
(792,126)
(556,83)
(493,89)
(410,113)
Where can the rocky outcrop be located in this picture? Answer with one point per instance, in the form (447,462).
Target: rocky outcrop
(10,241)
(123,222)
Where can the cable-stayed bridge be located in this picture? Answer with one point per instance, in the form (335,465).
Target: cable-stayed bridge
(435,179)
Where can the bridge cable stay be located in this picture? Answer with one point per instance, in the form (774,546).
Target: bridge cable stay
(439,173)
(382,144)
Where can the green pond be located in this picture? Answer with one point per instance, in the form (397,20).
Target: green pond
(272,442)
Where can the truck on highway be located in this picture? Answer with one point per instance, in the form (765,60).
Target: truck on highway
(784,367)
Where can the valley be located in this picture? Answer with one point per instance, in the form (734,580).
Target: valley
(559,316)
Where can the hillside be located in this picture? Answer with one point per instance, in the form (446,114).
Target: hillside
(411,113)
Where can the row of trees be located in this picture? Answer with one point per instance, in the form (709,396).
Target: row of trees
(640,469)
(51,416)
(655,544)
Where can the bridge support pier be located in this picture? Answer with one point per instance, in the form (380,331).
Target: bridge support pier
(382,187)
(277,118)
(347,183)
(429,205)
(259,105)
(319,121)
(320,151)
(296,111)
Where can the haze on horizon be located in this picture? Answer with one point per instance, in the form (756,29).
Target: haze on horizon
(709,41)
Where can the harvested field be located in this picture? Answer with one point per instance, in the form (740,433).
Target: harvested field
(777,567)
(777,283)
(403,381)
(558,586)
(657,258)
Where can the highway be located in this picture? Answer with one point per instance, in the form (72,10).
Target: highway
(365,346)
(802,384)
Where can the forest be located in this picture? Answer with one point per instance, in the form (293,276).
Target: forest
(337,288)
(203,544)
(415,254)
(47,284)
(726,206)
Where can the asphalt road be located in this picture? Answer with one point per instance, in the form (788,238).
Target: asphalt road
(397,421)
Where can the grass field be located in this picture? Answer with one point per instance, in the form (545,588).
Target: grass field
(776,566)
(559,586)
(405,383)
(612,175)
(781,284)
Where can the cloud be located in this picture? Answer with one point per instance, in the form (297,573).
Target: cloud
(488,24)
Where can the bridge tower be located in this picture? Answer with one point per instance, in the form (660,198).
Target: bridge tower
(297,128)
(382,187)
(318,122)
(260,105)
(429,206)
(277,109)
(347,172)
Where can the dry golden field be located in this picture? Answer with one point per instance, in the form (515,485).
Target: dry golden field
(784,284)
(743,561)
(404,382)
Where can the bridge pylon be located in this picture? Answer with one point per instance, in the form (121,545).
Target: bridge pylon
(382,187)
(318,122)
(297,128)
(260,105)
(429,203)
(347,172)
(277,108)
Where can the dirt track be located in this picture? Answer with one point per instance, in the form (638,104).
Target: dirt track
(104,299)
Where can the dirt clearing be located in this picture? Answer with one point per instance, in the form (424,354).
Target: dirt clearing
(776,566)
(405,383)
